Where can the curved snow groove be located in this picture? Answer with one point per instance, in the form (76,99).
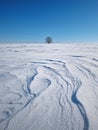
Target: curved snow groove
(29,80)
(80,106)
(95,59)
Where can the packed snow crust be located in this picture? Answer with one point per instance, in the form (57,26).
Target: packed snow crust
(48,87)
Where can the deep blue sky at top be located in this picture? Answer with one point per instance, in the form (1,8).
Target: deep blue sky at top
(63,20)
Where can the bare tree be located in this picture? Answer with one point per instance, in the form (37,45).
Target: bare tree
(48,39)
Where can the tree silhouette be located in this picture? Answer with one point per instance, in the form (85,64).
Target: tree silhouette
(48,39)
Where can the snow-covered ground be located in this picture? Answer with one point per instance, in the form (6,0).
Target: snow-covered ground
(48,87)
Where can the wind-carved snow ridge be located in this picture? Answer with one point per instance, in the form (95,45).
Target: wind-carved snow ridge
(48,87)
(23,97)
(73,97)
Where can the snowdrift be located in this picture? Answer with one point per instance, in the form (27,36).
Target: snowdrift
(48,87)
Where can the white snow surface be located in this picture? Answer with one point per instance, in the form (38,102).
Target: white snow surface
(48,86)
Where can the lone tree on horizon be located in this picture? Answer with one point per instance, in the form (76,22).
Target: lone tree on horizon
(48,39)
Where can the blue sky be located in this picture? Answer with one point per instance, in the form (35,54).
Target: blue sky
(63,20)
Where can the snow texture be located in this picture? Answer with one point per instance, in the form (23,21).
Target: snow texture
(48,87)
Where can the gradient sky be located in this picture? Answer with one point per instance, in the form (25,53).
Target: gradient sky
(63,20)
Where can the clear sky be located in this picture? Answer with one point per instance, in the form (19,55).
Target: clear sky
(63,20)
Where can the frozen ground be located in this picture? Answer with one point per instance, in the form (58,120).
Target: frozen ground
(48,87)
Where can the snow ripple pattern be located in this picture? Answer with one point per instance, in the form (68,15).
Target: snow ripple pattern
(59,93)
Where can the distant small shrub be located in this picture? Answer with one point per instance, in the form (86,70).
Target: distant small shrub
(48,40)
